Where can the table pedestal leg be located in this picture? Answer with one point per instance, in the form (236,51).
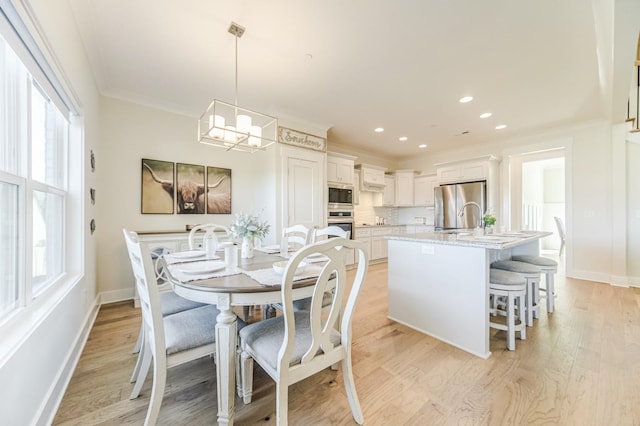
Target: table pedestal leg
(226,328)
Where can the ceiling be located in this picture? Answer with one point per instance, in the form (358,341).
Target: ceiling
(351,66)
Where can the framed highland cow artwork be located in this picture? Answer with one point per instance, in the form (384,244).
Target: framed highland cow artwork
(218,197)
(157,187)
(190,189)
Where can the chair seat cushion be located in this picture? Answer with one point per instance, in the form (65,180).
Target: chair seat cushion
(535,260)
(514,266)
(171,303)
(499,276)
(265,338)
(190,329)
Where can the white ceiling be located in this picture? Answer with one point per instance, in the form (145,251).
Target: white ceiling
(351,66)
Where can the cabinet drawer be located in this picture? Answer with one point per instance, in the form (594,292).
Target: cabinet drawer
(362,233)
(377,232)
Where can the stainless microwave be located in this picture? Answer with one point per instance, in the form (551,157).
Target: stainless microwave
(340,196)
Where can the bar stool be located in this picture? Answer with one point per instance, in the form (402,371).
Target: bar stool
(548,267)
(531,274)
(513,287)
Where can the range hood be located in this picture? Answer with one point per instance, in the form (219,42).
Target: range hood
(371,178)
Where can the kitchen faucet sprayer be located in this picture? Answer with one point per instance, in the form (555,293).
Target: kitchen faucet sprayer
(461,211)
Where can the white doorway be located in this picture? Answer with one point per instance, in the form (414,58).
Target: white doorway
(537,193)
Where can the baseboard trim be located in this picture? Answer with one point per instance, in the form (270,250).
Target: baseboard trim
(115,296)
(614,280)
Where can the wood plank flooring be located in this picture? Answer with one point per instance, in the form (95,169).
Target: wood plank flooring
(578,366)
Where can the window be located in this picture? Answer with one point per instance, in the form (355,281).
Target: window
(33,185)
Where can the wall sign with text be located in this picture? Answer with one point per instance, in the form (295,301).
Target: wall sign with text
(301,139)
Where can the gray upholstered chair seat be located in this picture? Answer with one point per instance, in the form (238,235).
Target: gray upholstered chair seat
(171,303)
(190,329)
(535,260)
(514,266)
(532,275)
(265,338)
(546,266)
(505,280)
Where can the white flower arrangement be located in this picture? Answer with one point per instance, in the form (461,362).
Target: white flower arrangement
(248,226)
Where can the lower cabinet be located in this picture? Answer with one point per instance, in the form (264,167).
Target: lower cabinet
(376,241)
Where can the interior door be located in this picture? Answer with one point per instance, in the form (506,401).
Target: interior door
(305,188)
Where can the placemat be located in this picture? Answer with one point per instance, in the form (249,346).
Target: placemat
(186,277)
(270,277)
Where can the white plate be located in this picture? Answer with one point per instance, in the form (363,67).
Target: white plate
(191,254)
(201,267)
(315,255)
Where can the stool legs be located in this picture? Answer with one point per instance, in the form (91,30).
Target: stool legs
(532,297)
(549,291)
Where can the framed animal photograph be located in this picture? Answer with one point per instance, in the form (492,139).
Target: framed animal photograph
(157,187)
(218,190)
(190,189)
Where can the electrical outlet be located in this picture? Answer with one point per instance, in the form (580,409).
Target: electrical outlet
(428,250)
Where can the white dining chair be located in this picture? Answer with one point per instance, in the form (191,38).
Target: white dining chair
(295,237)
(330,231)
(171,340)
(299,344)
(561,233)
(200,233)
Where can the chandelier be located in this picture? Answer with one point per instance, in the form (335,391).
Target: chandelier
(232,127)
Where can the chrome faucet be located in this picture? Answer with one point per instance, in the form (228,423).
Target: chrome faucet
(461,211)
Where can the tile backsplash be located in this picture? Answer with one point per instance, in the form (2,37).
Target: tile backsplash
(365,212)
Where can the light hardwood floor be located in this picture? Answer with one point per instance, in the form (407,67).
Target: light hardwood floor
(578,366)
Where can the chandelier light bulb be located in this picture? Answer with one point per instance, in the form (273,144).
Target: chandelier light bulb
(255,136)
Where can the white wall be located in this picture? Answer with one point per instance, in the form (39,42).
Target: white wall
(35,374)
(130,132)
(633,212)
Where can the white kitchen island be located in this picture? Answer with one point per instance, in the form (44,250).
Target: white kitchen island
(439,282)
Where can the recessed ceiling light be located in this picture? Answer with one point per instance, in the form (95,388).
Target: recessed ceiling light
(378,130)
(424,145)
(501,126)
(402,138)
(486,115)
(466,99)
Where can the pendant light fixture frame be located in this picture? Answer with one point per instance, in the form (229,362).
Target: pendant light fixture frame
(232,127)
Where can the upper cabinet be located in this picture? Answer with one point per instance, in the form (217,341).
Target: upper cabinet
(389,194)
(465,171)
(404,188)
(423,190)
(371,177)
(340,169)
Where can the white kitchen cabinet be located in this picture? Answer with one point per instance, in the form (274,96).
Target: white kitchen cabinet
(371,177)
(379,244)
(364,235)
(423,190)
(356,187)
(389,193)
(404,194)
(304,192)
(340,169)
(465,171)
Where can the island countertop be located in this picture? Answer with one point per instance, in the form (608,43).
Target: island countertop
(469,239)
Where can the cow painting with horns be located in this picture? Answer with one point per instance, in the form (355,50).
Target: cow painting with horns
(191,191)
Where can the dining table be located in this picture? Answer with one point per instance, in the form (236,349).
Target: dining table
(245,282)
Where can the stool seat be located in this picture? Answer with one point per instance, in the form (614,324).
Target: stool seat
(512,287)
(535,260)
(546,266)
(515,266)
(532,275)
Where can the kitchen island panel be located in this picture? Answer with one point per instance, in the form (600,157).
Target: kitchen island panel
(441,290)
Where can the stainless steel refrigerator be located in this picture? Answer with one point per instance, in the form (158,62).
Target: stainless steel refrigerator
(451,208)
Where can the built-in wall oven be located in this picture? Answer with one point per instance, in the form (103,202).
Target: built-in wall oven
(342,218)
(340,197)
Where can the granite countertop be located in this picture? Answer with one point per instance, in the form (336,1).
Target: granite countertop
(366,225)
(468,239)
